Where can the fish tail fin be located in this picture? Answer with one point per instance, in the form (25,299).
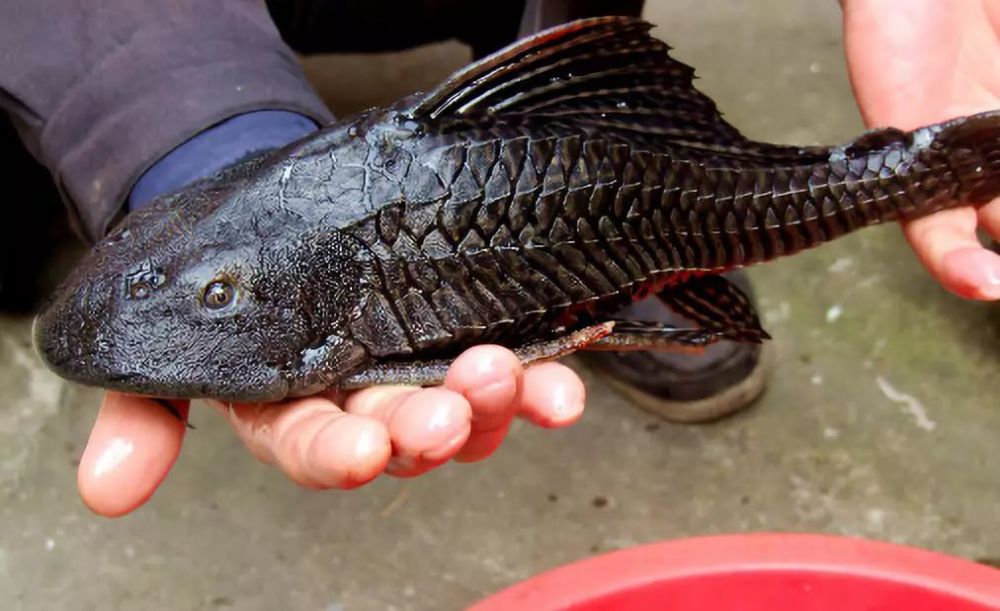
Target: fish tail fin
(972,147)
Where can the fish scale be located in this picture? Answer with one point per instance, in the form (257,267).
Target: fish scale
(771,207)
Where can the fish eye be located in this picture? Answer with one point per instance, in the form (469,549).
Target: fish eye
(218,294)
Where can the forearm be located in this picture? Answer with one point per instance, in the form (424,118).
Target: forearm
(101,94)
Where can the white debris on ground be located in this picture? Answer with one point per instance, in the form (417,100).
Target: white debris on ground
(912,406)
(781,313)
(868,282)
(834,313)
(841,265)
(876,517)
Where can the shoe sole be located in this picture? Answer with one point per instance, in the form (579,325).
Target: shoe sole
(731,400)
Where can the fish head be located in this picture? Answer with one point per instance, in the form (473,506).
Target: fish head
(220,292)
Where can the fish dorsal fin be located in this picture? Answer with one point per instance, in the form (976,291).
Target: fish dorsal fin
(605,71)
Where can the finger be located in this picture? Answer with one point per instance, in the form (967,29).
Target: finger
(489,377)
(427,427)
(132,446)
(553,395)
(947,245)
(989,219)
(378,401)
(920,44)
(483,444)
(314,442)
(975,273)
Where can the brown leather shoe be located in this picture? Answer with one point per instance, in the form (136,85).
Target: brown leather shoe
(691,388)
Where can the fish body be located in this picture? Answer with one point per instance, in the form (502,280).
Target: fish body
(522,202)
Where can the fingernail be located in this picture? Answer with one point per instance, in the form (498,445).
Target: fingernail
(486,365)
(992,289)
(366,442)
(114,455)
(441,418)
(565,402)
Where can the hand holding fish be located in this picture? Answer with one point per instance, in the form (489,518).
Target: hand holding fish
(319,444)
(914,62)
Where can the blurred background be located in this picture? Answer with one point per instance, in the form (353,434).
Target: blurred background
(881,418)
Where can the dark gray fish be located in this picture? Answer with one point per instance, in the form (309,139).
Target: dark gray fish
(521,202)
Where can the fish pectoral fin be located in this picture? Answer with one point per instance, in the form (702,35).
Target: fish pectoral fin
(432,372)
(412,373)
(608,72)
(617,335)
(717,305)
(654,336)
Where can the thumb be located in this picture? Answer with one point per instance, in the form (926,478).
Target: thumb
(133,445)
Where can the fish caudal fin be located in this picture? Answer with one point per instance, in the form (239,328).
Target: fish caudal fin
(972,147)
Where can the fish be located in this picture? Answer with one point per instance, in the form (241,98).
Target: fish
(521,202)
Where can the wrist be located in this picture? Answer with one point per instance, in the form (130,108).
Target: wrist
(218,147)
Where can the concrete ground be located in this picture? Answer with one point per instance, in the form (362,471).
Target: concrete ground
(882,418)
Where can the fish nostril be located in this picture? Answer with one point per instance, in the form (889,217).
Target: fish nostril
(93,299)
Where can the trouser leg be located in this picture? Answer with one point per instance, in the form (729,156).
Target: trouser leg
(32,224)
(358,26)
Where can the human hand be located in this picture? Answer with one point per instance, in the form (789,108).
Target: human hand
(337,442)
(916,62)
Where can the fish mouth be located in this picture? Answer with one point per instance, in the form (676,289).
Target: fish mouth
(152,386)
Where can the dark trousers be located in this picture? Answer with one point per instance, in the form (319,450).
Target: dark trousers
(357,26)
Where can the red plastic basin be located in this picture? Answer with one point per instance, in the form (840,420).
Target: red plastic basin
(760,572)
